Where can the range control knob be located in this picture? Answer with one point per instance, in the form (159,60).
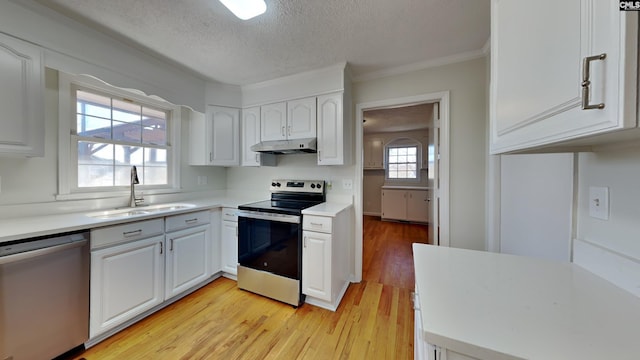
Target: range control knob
(278,184)
(273,184)
(318,186)
(313,186)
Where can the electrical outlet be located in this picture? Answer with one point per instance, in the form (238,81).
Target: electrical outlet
(347,184)
(599,202)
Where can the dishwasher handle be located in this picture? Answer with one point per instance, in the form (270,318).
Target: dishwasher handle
(40,252)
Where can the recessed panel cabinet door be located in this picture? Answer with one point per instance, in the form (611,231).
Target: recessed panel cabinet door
(394,204)
(301,120)
(21,100)
(316,265)
(273,122)
(186,259)
(229,239)
(418,205)
(538,69)
(225,132)
(330,130)
(130,281)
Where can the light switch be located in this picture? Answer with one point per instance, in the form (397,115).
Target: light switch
(347,184)
(599,202)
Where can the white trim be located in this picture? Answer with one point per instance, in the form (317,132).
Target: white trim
(66,147)
(443,99)
(447,60)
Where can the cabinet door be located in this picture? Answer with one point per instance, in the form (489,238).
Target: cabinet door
(418,205)
(250,136)
(373,154)
(199,140)
(394,204)
(126,280)
(273,122)
(229,238)
(316,265)
(225,132)
(301,118)
(536,92)
(330,130)
(186,259)
(21,99)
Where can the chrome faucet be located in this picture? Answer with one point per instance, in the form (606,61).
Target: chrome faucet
(133,200)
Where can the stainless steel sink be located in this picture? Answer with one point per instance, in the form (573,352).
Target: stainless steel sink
(142,210)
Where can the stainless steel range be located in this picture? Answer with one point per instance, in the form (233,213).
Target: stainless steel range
(270,240)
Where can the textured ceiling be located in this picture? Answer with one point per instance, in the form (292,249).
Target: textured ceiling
(292,36)
(407,118)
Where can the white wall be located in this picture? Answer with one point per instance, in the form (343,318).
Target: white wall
(294,166)
(75,48)
(466,82)
(619,170)
(537,205)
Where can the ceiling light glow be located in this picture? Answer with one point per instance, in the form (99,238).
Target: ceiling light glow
(245,9)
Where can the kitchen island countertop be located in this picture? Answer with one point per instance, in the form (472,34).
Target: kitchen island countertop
(499,306)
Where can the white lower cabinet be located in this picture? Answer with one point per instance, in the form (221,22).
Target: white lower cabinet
(126,280)
(408,205)
(186,260)
(137,266)
(316,265)
(229,241)
(325,263)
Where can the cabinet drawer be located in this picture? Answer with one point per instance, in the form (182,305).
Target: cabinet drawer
(183,221)
(229,214)
(117,234)
(317,223)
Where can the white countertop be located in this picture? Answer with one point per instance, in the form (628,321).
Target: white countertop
(327,209)
(498,306)
(42,225)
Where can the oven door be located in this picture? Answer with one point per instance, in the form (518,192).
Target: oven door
(270,242)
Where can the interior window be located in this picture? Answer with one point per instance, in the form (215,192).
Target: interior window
(403,160)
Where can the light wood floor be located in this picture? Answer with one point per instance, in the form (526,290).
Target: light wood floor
(219,321)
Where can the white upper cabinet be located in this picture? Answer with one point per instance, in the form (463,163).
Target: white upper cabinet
(215,137)
(225,132)
(546,67)
(301,118)
(295,119)
(21,98)
(273,125)
(331,130)
(373,153)
(250,137)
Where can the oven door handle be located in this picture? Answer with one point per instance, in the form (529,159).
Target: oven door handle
(293,219)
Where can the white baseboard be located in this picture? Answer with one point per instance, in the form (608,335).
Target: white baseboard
(617,268)
(367,213)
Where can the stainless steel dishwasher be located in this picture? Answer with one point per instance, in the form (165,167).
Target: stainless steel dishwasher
(44,296)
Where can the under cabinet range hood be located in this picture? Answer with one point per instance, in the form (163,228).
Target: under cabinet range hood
(279,147)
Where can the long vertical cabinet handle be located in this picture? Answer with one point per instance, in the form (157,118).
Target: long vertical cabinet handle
(304,243)
(161,248)
(586,82)
(289,130)
(282,132)
(171,245)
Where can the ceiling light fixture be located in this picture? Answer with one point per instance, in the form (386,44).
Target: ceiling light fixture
(245,9)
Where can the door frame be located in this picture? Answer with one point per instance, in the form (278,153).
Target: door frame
(440,97)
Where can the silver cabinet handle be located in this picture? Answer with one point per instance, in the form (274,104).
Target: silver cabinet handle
(304,244)
(289,130)
(161,247)
(315,224)
(191,221)
(586,82)
(282,132)
(210,157)
(170,244)
(257,157)
(132,233)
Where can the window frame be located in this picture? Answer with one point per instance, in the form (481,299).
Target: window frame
(68,139)
(402,143)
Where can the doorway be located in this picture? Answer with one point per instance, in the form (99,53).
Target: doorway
(439,199)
